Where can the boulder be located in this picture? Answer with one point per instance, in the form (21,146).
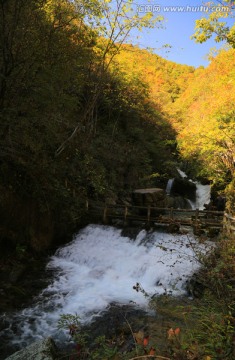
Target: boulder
(173,228)
(40,350)
(196,285)
(177,202)
(182,187)
(149,197)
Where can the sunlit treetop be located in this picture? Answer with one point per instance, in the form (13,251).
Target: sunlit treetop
(217,24)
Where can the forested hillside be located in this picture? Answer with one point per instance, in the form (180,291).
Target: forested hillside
(165,79)
(199,104)
(204,118)
(85,118)
(71,128)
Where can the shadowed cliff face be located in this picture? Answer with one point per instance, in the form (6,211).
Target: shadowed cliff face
(22,223)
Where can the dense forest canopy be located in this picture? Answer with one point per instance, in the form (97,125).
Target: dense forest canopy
(84,115)
(71,127)
(205,115)
(197,102)
(166,79)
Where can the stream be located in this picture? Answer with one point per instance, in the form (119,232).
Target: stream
(99,267)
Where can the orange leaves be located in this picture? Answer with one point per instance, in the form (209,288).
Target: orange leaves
(143,340)
(152,351)
(177,331)
(172,334)
(146,341)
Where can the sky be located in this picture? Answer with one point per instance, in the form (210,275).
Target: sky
(178,27)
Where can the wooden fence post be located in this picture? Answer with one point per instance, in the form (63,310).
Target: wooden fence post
(105,218)
(125,215)
(147,225)
(148,214)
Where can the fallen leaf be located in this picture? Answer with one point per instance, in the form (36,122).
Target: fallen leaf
(177,331)
(146,341)
(173,333)
(152,351)
(139,337)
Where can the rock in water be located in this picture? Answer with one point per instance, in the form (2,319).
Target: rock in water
(184,188)
(173,228)
(39,350)
(149,197)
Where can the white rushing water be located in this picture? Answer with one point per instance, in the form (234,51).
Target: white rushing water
(203,193)
(100,266)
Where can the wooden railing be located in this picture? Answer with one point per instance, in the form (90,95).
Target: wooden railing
(156,216)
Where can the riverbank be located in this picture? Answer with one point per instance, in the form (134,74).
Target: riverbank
(101,266)
(199,327)
(179,328)
(23,276)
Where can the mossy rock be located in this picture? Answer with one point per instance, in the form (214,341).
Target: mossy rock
(40,350)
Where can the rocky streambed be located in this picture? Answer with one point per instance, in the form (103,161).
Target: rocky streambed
(100,266)
(22,277)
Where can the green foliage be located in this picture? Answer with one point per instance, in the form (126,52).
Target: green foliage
(71,127)
(214,314)
(214,136)
(212,25)
(200,329)
(205,121)
(230,193)
(102,347)
(217,324)
(165,80)
(72,324)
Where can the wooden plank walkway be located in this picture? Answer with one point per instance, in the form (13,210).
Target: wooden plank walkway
(153,216)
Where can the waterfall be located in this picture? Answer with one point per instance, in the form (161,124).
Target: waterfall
(182,174)
(99,267)
(203,193)
(169,186)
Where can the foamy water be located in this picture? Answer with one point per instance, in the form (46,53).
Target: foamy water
(100,266)
(203,193)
